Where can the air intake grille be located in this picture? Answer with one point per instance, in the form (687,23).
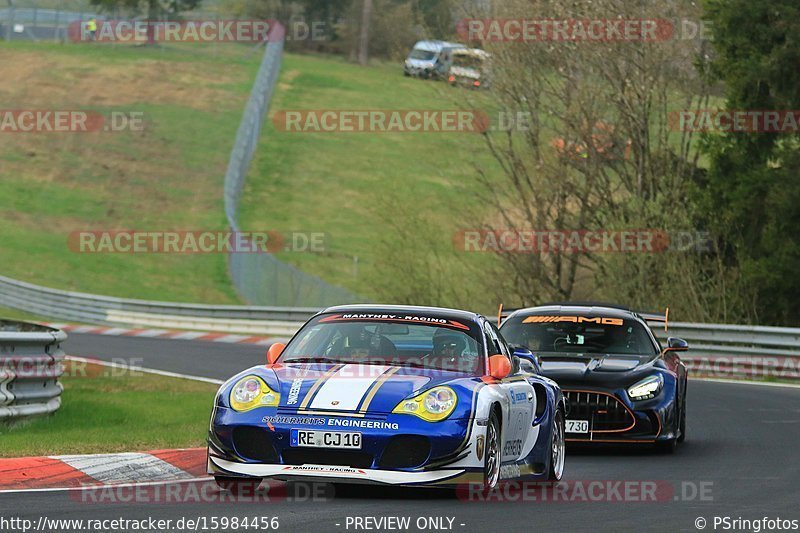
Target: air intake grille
(603,411)
(304,456)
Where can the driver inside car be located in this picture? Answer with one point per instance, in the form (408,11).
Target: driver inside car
(448,352)
(359,344)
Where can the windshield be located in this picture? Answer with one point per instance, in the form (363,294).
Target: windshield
(423,55)
(400,340)
(578,334)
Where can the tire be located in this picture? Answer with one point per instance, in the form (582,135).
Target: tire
(682,423)
(238,485)
(557,448)
(666,446)
(491,460)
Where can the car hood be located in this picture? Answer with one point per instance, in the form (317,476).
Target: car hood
(607,369)
(353,388)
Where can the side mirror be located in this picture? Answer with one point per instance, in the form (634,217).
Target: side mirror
(675,344)
(524,354)
(274,352)
(499,366)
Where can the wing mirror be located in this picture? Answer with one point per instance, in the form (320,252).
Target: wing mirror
(674,344)
(274,352)
(499,366)
(525,354)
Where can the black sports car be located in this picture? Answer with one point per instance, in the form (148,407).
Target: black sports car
(621,385)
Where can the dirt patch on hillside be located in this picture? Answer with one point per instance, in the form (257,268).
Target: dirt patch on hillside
(33,79)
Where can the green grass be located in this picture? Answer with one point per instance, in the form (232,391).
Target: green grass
(16,314)
(167,177)
(103,413)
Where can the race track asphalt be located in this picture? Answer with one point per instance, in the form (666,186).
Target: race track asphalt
(739,461)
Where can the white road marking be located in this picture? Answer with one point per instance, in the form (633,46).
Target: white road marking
(745,382)
(232,338)
(144,370)
(124,467)
(120,485)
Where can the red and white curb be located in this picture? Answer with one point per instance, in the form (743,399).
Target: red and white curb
(81,471)
(165,334)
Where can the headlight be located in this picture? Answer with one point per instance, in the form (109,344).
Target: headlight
(433,405)
(646,389)
(251,392)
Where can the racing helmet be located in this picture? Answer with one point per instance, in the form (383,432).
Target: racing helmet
(446,340)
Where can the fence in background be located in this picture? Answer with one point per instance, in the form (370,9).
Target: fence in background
(49,20)
(31,361)
(42,20)
(260,278)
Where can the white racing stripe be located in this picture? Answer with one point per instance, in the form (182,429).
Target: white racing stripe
(344,390)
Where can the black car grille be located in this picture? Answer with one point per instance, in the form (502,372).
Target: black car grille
(405,451)
(603,411)
(304,456)
(254,443)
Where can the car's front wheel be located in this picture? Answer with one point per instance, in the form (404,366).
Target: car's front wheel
(557,448)
(238,485)
(682,423)
(491,463)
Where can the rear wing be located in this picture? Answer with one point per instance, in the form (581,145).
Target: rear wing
(657,317)
(503,313)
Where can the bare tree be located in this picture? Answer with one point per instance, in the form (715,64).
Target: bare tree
(363,39)
(598,150)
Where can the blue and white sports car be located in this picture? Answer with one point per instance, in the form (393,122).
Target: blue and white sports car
(391,395)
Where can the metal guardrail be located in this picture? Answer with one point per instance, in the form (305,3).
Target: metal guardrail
(31,361)
(736,351)
(91,309)
(715,350)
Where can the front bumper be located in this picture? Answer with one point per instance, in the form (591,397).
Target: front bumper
(395,449)
(329,473)
(420,72)
(613,418)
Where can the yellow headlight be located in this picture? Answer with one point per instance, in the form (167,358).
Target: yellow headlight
(433,405)
(251,392)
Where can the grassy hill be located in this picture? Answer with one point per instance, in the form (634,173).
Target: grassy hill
(167,177)
(355,187)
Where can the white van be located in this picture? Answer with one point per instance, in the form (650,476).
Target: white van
(430,59)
